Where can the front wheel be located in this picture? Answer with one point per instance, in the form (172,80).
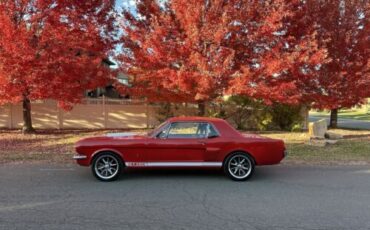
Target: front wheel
(107,166)
(239,166)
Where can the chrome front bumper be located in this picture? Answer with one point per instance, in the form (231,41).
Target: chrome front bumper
(79,157)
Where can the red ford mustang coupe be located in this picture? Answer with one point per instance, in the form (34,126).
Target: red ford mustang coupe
(180,142)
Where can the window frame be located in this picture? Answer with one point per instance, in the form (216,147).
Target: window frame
(165,128)
(214,127)
(168,127)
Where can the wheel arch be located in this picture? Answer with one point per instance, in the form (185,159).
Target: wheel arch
(105,150)
(239,151)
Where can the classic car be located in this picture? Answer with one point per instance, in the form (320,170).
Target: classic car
(181,142)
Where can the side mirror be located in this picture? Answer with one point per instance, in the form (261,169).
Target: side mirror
(212,136)
(161,135)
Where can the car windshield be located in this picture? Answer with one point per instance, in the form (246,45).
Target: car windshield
(156,130)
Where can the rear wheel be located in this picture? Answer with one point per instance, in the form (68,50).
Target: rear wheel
(239,166)
(107,166)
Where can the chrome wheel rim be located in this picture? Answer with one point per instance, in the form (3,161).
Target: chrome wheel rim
(240,166)
(106,167)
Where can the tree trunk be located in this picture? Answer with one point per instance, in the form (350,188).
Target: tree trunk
(201,108)
(305,109)
(333,119)
(27,120)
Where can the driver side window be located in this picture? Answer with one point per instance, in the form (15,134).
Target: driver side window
(184,130)
(189,130)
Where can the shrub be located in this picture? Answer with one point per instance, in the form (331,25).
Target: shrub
(286,117)
(246,113)
(242,112)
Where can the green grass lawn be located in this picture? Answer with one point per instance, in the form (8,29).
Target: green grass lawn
(346,151)
(343,152)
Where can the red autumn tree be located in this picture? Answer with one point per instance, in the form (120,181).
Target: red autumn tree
(343,29)
(53,49)
(199,50)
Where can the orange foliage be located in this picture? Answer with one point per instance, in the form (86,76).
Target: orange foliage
(53,48)
(275,50)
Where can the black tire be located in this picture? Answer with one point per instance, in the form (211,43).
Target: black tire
(107,166)
(239,166)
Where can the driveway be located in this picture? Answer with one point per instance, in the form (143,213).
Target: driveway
(278,197)
(345,123)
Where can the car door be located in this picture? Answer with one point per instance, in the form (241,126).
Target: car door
(180,142)
(214,143)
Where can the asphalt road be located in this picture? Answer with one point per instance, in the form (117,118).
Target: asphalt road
(345,123)
(278,197)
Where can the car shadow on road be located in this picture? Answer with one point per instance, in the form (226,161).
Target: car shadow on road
(134,174)
(192,174)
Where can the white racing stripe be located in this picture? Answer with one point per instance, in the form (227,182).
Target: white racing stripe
(173,164)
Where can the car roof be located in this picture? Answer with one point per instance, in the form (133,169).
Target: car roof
(194,118)
(222,126)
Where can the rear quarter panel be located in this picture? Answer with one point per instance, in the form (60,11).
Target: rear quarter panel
(264,151)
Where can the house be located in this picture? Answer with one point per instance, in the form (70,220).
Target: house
(109,90)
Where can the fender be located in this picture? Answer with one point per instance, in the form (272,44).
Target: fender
(106,150)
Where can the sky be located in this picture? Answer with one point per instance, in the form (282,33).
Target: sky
(125,3)
(119,4)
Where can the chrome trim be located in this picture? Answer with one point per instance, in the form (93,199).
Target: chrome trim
(173,164)
(79,157)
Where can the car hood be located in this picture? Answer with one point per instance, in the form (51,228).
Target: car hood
(251,135)
(110,138)
(126,135)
